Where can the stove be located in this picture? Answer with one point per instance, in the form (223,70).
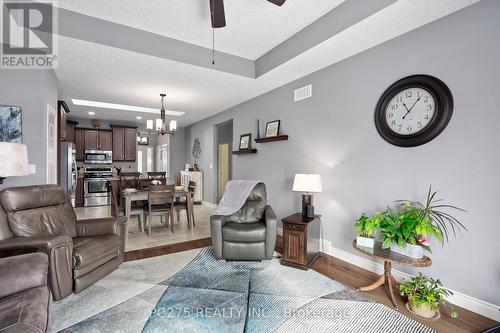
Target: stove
(97,191)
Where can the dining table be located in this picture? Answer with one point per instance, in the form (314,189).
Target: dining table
(138,195)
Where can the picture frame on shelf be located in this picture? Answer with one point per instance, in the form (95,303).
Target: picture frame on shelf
(245,140)
(273,128)
(11,129)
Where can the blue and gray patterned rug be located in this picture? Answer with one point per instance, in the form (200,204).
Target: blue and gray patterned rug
(209,295)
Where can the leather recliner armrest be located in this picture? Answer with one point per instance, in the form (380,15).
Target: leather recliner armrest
(271,228)
(59,250)
(100,226)
(23,272)
(105,226)
(38,243)
(216,223)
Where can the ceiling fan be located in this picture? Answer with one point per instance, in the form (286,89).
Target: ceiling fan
(217,12)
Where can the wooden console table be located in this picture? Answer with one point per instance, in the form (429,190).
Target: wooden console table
(388,257)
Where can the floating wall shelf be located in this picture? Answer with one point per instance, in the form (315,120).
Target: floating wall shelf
(248,151)
(272,138)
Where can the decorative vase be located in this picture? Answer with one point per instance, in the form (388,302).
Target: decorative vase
(423,310)
(365,241)
(412,251)
(258,129)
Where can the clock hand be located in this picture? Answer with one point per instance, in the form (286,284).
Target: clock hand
(418,99)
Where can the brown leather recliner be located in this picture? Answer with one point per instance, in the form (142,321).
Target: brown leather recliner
(41,218)
(25,299)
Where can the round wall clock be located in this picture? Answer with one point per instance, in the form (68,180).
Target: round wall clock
(414,110)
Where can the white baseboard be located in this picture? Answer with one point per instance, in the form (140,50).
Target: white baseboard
(481,307)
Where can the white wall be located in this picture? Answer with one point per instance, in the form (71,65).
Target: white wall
(32,89)
(333,133)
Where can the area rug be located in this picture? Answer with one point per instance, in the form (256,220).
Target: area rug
(209,295)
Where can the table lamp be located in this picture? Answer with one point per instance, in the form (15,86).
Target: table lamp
(13,160)
(307,184)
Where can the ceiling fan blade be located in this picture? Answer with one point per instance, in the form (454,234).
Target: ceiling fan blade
(277,2)
(217,13)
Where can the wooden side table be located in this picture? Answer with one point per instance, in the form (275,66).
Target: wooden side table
(388,257)
(300,240)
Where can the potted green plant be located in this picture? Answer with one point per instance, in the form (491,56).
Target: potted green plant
(424,296)
(408,231)
(366,228)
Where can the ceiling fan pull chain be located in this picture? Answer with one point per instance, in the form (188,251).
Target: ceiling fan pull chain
(213,46)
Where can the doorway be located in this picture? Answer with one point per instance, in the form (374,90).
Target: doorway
(224,143)
(223,168)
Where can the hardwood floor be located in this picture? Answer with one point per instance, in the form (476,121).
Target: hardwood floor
(353,276)
(167,249)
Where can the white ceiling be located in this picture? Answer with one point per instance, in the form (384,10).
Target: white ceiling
(253,26)
(106,74)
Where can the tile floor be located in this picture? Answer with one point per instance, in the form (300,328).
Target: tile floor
(160,233)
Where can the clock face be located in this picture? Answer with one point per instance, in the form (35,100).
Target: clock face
(413,110)
(410,111)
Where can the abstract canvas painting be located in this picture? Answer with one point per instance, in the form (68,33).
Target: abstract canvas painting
(11,124)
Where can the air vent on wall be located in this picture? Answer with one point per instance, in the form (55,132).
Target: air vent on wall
(302,93)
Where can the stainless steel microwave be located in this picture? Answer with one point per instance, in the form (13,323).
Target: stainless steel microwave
(98,157)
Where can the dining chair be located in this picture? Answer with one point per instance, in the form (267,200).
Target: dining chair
(161,176)
(186,204)
(131,180)
(161,188)
(160,203)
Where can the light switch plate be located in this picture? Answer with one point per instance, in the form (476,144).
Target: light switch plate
(32,169)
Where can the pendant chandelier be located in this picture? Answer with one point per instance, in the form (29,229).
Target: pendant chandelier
(161,123)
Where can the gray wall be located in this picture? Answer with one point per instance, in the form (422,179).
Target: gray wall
(32,90)
(333,134)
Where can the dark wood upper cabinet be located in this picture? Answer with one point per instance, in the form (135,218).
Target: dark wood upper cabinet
(105,140)
(70,131)
(63,110)
(130,144)
(118,143)
(80,144)
(124,143)
(91,140)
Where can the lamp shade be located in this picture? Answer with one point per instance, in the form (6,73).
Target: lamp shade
(173,125)
(307,183)
(13,159)
(149,124)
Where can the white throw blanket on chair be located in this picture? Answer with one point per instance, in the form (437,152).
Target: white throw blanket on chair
(235,196)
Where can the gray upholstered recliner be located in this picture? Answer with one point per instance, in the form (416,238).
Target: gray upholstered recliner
(250,233)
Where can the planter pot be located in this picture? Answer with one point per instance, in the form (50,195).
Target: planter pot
(365,241)
(412,251)
(423,310)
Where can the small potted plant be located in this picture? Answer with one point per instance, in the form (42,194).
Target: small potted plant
(366,228)
(408,231)
(424,296)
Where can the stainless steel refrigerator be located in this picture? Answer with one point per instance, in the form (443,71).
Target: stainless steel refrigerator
(68,169)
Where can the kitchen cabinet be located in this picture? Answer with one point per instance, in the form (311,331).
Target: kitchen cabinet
(70,131)
(79,193)
(80,144)
(118,143)
(124,143)
(91,140)
(105,140)
(63,110)
(98,139)
(130,144)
